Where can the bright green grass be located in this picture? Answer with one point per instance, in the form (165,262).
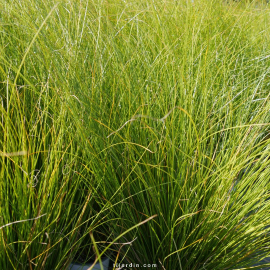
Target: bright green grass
(143,121)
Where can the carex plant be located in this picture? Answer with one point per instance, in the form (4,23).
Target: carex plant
(140,127)
(182,131)
(50,211)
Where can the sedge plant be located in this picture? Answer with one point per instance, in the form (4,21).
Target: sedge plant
(49,214)
(115,113)
(182,131)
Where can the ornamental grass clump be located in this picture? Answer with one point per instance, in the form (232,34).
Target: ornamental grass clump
(182,131)
(136,129)
(49,215)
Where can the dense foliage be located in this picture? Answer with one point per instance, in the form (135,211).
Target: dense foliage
(140,122)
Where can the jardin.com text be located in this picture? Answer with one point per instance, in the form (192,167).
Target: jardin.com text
(126,266)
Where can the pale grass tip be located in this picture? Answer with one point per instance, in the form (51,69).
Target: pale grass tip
(13,154)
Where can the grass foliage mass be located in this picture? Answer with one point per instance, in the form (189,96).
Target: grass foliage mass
(138,129)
